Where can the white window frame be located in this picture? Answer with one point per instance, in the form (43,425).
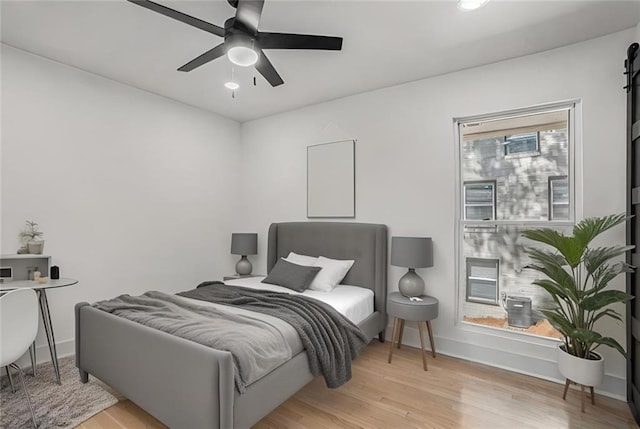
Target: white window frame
(574,108)
(534,152)
(553,203)
(469,263)
(491,183)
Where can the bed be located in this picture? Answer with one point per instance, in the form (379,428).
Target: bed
(188,385)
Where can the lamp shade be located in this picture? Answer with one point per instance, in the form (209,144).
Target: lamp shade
(244,243)
(412,252)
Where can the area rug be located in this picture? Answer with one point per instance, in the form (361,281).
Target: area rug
(55,406)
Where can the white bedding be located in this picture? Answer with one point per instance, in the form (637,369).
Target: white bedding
(355,303)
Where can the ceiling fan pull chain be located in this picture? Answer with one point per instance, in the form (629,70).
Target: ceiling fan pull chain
(233,94)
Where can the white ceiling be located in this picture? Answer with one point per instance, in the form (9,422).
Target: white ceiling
(385,43)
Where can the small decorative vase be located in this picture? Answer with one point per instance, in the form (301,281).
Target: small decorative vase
(36,247)
(588,372)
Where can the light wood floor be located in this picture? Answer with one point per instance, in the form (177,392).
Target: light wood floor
(452,394)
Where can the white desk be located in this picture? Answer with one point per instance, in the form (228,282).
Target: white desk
(41,289)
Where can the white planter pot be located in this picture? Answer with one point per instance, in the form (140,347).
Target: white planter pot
(35,247)
(587,372)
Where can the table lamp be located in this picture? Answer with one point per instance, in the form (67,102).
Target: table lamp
(412,253)
(245,243)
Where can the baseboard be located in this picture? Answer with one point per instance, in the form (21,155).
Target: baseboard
(63,349)
(547,369)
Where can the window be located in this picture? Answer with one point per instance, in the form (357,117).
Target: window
(480,200)
(482,280)
(515,173)
(521,144)
(558,198)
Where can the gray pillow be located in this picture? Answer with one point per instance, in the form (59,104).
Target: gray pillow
(292,276)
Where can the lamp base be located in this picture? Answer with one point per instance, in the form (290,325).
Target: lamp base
(411,284)
(244,267)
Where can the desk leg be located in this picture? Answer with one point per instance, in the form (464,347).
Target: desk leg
(10,377)
(48,329)
(32,355)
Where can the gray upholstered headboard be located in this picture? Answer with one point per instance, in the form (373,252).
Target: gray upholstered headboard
(366,243)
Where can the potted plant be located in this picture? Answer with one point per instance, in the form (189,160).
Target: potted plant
(30,239)
(577,279)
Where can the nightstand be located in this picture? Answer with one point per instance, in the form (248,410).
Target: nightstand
(238,277)
(402,309)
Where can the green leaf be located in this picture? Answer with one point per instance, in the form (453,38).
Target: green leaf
(588,229)
(559,322)
(605,274)
(608,312)
(568,247)
(608,341)
(554,289)
(604,298)
(595,258)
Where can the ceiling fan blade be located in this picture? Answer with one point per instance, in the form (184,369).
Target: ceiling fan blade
(248,15)
(208,56)
(267,70)
(298,41)
(171,13)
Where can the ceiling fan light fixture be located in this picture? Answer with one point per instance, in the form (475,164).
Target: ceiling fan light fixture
(467,5)
(242,56)
(231,85)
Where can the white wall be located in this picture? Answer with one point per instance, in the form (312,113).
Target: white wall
(405,174)
(133,191)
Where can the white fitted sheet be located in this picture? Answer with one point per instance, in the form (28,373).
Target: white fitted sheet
(353,302)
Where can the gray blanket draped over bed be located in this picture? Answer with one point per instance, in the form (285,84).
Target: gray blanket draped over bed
(257,347)
(331,341)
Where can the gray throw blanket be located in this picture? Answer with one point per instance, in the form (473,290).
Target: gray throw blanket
(331,340)
(257,347)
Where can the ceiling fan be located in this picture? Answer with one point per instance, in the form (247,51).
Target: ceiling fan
(243,43)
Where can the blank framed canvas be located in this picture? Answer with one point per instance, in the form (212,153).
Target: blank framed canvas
(331,179)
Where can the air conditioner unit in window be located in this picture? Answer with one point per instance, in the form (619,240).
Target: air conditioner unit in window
(519,310)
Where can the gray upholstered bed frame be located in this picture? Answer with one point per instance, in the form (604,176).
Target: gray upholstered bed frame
(188,385)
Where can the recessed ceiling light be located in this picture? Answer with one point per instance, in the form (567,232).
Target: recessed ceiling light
(232,85)
(467,5)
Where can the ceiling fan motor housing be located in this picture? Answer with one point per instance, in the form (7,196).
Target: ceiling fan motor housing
(234,36)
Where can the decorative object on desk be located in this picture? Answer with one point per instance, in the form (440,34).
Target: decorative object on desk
(55,272)
(577,276)
(6,274)
(412,253)
(31,271)
(30,239)
(56,406)
(244,243)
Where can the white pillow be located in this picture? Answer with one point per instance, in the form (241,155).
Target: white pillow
(331,274)
(294,258)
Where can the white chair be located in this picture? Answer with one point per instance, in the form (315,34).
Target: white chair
(18,329)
